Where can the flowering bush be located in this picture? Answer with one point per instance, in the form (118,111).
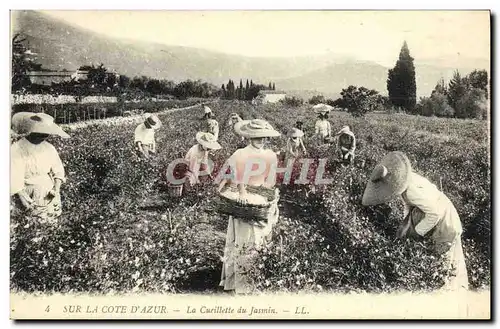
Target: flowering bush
(121,232)
(93,108)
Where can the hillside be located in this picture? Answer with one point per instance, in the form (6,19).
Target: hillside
(335,77)
(331,79)
(60,45)
(63,46)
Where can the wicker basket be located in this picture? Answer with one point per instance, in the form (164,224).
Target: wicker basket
(261,200)
(175,190)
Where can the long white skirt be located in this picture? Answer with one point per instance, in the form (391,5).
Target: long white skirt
(240,236)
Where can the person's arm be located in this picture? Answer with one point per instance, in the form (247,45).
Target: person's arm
(316,128)
(17,180)
(302,145)
(426,202)
(243,193)
(216,131)
(154,145)
(353,145)
(138,139)
(57,169)
(222,184)
(328,129)
(289,148)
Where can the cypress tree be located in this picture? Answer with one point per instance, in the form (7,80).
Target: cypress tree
(401,83)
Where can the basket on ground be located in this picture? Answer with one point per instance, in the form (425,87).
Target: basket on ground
(260,201)
(175,190)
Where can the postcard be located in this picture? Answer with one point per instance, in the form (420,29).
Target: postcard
(250,165)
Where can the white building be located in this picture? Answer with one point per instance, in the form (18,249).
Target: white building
(269,96)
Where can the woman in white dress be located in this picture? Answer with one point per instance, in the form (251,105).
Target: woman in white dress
(323,128)
(346,144)
(210,125)
(438,218)
(241,233)
(37,171)
(197,156)
(144,136)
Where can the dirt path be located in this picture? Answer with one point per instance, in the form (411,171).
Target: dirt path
(114,121)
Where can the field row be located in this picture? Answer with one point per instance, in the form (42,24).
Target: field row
(121,231)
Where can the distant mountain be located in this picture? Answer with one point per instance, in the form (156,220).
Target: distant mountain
(64,46)
(333,78)
(60,45)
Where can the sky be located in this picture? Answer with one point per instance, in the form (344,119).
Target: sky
(365,35)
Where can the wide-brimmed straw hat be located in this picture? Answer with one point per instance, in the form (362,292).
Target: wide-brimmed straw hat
(24,123)
(295,132)
(322,108)
(256,128)
(388,179)
(208,140)
(344,130)
(207,109)
(153,121)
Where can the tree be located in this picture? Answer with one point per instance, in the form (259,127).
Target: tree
(154,87)
(270,87)
(441,87)
(97,76)
(254,91)
(317,99)
(247,86)
(401,83)
(473,104)
(185,89)
(167,87)
(274,86)
(359,101)
(230,91)
(457,88)
(251,83)
(111,80)
(339,103)
(479,79)
(436,105)
(124,82)
(241,93)
(292,101)
(22,62)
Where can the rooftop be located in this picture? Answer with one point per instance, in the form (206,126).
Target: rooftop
(269,92)
(54,73)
